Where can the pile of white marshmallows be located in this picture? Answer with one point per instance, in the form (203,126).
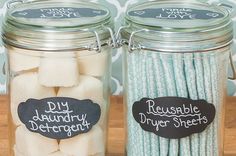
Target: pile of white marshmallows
(58,75)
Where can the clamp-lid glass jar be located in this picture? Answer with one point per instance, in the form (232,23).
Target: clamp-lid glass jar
(175,62)
(59,68)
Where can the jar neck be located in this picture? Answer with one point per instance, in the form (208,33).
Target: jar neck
(59,40)
(174,41)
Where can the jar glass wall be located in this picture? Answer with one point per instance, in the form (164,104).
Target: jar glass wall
(59,58)
(176,57)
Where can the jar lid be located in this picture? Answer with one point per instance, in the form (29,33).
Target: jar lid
(57,25)
(159,25)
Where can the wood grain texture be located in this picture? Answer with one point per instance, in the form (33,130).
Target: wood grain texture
(116,127)
(3,127)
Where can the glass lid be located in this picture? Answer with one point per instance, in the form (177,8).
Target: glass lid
(170,25)
(171,14)
(57,25)
(45,13)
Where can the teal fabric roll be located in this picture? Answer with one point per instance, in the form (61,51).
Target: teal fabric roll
(161,92)
(201,95)
(167,64)
(152,93)
(193,94)
(144,83)
(181,85)
(208,92)
(217,98)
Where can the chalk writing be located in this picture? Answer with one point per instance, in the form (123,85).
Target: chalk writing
(59,117)
(173,117)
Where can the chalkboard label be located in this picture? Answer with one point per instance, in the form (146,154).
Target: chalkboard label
(176,13)
(173,117)
(59,13)
(59,117)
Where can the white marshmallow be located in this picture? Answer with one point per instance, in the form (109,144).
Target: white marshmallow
(59,70)
(84,144)
(22,60)
(34,144)
(24,87)
(16,152)
(95,64)
(88,88)
(76,146)
(97,141)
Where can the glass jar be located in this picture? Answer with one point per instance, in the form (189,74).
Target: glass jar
(176,57)
(59,56)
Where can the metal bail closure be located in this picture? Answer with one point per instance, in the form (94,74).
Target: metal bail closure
(132,47)
(97,46)
(112,42)
(119,41)
(228,6)
(12,3)
(232,68)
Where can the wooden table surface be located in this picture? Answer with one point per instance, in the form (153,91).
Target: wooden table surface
(116,128)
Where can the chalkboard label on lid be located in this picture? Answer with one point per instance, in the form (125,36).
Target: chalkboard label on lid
(59,13)
(173,117)
(176,13)
(59,117)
